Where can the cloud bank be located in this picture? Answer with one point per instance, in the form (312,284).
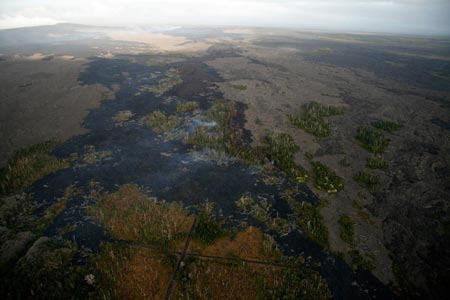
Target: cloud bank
(403,16)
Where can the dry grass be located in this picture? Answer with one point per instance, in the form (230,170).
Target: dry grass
(131,273)
(219,280)
(212,279)
(131,215)
(246,244)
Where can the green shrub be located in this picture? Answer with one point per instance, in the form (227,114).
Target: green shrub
(377,162)
(201,137)
(159,122)
(386,125)
(207,229)
(244,203)
(344,162)
(308,218)
(311,119)
(372,140)
(347,229)
(326,179)
(241,87)
(222,112)
(187,106)
(280,148)
(368,180)
(167,83)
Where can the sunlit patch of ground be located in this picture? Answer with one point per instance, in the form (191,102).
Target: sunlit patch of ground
(160,41)
(240,31)
(34,56)
(129,214)
(246,244)
(132,273)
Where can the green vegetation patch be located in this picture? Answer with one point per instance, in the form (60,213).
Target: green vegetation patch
(159,122)
(309,219)
(372,140)
(240,87)
(202,137)
(326,179)
(442,74)
(324,50)
(277,147)
(164,85)
(344,162)
(312,118)
(29,165)
(129,214)
(222,280)
(362,261)
(367,180)
(280,148)
(90,156)
(377,162)
(245,203)
(347,229)
(260,211)
(207,229)
(361,213)
(122,116)
(220,137)
(187,106)
(223,112)
(46,271)
(388,126)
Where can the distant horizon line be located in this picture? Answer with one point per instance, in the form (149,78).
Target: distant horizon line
(302,28)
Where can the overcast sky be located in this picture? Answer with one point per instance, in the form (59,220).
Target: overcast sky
(404,16)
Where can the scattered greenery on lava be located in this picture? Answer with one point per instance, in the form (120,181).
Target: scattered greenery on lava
(280,149)
(29,165)
(160,122)
(122,117)
(261,211)
(276,147)
(344,162)
(309,219)
(367,180)
(171,79)
(46,271)
(372,140)
(207,229)
(377,162)
(222,280)
(360,210)
(326,179)
(362,261)
(388,126)
(240,87)
(347,228)
(312,118)
(187,106)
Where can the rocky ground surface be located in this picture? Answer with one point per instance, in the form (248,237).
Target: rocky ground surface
(401,224)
